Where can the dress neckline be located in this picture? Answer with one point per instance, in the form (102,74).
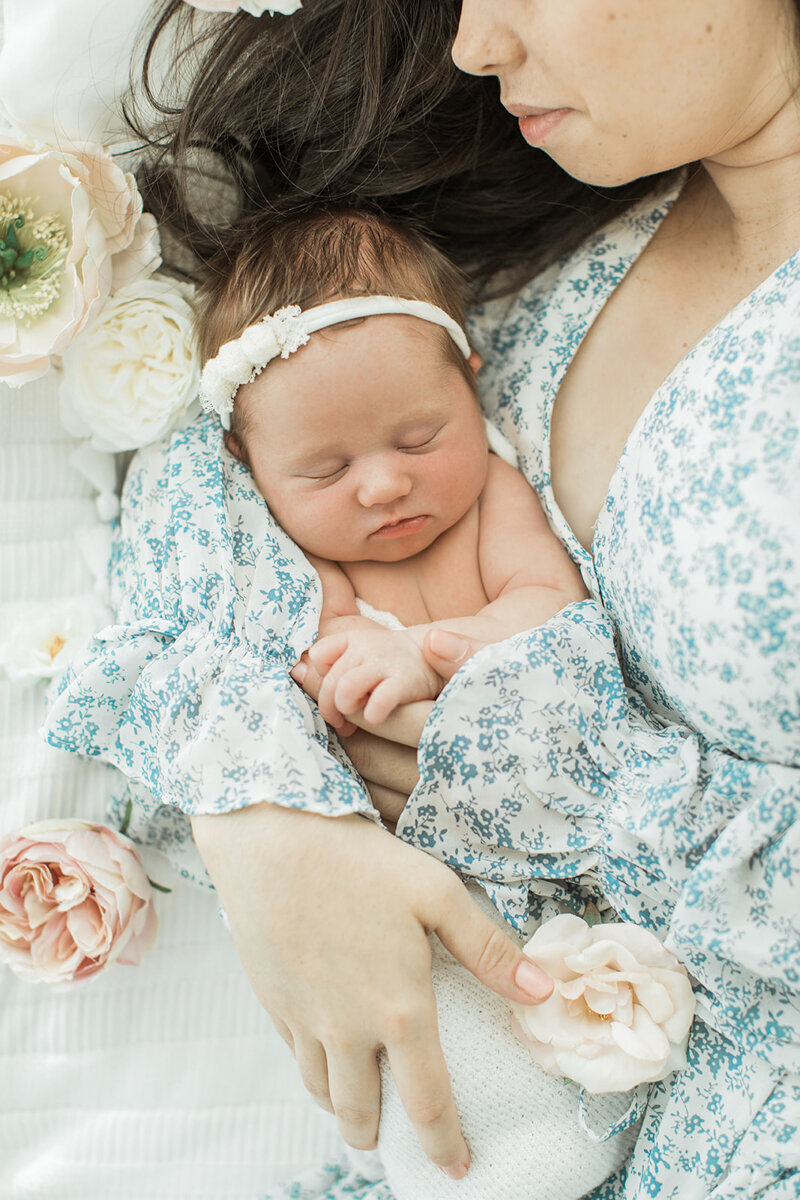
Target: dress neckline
(629,235)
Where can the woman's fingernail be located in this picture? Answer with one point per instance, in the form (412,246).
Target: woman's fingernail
(533,980)
(299,672)
(456,1171)
(448,646)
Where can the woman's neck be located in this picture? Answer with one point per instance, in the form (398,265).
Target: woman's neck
(748,198)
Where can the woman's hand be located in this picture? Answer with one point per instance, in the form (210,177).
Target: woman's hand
(330,917)
(446,652)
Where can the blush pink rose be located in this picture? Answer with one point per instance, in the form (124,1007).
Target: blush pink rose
(620,1010)
(74,898)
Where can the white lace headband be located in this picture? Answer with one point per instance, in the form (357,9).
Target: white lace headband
(240,361)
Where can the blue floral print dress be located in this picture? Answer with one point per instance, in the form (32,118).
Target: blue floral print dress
(642,746)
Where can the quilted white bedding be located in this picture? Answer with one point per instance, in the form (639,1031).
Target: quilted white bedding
(159,1082)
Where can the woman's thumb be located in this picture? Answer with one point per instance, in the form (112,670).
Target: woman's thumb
(446,651)
(483,948)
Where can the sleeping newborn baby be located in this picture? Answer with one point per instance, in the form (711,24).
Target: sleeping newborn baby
(340,338)
(365,437)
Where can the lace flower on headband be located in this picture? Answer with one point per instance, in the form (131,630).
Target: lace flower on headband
(241,360)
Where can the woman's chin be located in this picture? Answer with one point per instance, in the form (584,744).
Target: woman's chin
(598,170)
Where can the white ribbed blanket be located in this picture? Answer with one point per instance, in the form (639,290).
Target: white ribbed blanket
(162,1082)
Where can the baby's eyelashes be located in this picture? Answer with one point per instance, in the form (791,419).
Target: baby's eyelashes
(325,476)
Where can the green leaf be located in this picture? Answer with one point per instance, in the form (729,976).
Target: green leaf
(126,820)
(158,886)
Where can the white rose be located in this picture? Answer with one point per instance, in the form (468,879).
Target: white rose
(134,374)
(256,8)
(71,230)
(43,642)
(620,1010)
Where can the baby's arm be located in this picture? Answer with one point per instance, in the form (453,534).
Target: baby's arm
(339,609)
(526,572)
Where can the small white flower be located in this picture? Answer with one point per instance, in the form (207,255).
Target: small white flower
(621,1007)
(133,375)
(239,361)
(71,230)
(41,644)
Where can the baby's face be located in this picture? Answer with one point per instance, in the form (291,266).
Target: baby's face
(368,442)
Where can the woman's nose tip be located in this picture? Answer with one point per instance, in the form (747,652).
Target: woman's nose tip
(481,47)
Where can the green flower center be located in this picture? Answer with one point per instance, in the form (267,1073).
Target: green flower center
(32,255)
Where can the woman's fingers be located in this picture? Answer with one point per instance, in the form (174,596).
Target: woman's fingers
(420,1073)
(446,652)
(313,1065)
(389,803)
(489,953)
(283,1031)
(389,764)
(355,1089)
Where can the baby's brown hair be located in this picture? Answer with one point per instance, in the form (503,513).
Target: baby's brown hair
(325,255)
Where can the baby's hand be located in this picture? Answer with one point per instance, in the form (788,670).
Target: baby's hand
(371,669)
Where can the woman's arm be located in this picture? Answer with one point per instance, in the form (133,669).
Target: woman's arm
(330,918)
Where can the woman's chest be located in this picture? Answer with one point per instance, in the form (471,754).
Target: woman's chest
(443,581)
(665,305)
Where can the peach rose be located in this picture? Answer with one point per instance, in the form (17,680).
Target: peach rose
(620,1010)
(72,231)
(74,898)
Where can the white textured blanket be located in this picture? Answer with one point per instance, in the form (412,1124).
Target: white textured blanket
(159,1082)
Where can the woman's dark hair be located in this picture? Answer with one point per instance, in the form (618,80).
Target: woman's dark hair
(353,103)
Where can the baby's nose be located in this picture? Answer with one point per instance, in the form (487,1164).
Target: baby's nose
(381,482)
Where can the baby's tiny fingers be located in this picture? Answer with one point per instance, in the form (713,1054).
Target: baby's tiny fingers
(327,703)
(354,687)
(383,701)
(327,650)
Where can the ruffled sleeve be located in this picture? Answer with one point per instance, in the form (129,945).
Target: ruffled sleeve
(189,693)
(539,764)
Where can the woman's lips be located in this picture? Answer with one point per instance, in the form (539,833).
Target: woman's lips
(394,529)
(536,123)
(535,127)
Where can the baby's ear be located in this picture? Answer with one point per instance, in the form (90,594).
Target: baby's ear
(235,447)
(475,361)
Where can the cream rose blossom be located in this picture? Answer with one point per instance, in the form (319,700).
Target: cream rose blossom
(256,8)
(620,1010)
(43,642)
(74,898)
(134,374)
(72,230)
